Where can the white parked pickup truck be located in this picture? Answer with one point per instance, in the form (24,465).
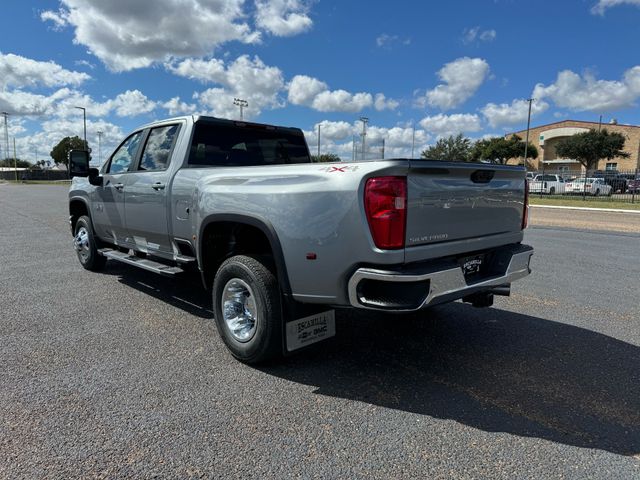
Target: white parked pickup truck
(550,184)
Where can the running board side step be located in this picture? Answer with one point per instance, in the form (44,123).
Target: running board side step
(144,263)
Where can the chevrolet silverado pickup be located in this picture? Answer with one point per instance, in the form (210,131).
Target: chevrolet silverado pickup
(281,242)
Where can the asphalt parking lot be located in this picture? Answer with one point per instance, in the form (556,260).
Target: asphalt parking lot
(121,373)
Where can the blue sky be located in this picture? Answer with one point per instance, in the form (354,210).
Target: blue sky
(443,67)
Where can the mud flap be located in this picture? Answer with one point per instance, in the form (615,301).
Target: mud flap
(309,330)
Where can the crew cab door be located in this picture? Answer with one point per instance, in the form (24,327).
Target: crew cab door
(108,200)
(147,192)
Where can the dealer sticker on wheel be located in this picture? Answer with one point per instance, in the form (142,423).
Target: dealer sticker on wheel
(308,330)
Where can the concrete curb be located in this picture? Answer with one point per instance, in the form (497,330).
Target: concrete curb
(588,209)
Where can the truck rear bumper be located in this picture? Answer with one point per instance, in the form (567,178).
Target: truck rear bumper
(423,285)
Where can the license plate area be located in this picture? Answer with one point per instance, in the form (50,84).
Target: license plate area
(309,330)
(473,266)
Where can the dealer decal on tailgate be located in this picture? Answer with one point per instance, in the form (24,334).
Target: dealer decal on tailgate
(308,330)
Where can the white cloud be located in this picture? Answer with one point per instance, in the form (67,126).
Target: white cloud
(461,80)
(512,113)
(126,35)
(205,71)
(246,78)
(334,130)
(282,18)
(132,103)
(586,93)
(444,125)
(603,5)
(218,102)
(53,130)
(398,140)
(175,106)
(19,102)
(84,63)
(303,89)
(385,40)
(341,101)
(311,92)
(17,71)
(382,103)
(63,102)
(58,18)
(471,35)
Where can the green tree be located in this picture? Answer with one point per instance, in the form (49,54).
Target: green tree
(325,158)
(9,163)
(591,147)
(501,149)
(60,152)
(450,149)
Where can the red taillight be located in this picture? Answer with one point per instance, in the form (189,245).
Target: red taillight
(385,203)
(525,210)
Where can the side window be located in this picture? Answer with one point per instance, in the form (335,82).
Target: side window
(158,148)
(125,154)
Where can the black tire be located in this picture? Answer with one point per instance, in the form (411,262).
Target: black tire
(552,191)
(266,340)
(86,244)
(597,194)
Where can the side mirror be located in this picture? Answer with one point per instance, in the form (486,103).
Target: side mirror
(79,163)
(95,178)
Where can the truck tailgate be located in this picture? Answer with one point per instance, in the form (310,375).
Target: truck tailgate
(455,201)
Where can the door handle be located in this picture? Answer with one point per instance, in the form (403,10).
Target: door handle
(158,186)
(118,186)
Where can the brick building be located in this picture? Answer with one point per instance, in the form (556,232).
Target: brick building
(546,137)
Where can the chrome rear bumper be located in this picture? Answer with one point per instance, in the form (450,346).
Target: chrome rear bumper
(438,283)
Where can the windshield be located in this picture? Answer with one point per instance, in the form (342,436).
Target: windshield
(230,145)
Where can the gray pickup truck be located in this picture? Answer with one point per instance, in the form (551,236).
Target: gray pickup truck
(281,241)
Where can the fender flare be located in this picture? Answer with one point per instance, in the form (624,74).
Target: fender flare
(79,198)
(265,227)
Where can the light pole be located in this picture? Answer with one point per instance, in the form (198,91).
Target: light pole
(526,142)
(353,148)
(6,134)
(318,142)
(240,103)
(364,121)
(15,165)
(413,140)
(84,117)
(100,146)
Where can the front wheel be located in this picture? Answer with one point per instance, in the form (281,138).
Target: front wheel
(85,243)
(246,305)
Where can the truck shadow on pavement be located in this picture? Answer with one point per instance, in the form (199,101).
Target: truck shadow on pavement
(490,369)
(185,292)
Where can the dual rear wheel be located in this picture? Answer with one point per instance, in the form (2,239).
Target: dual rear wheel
(247,308)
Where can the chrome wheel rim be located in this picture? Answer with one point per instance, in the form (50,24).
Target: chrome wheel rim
(81,243)
(239,310)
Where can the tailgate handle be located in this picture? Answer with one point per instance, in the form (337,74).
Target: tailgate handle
(482,176)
